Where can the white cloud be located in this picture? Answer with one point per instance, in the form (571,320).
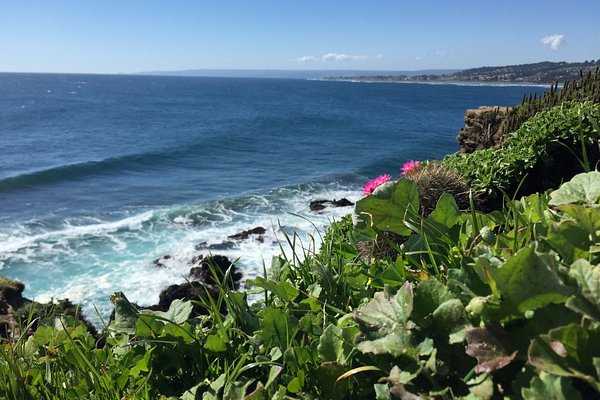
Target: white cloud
(305,59)
(418,58)
(380,56)
(343,57)
(553,41)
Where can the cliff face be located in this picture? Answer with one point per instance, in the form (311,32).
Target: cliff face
(481,128)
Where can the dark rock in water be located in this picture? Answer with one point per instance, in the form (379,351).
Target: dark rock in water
(259,230)
(185,291)
(201,271)
(160,262)
(227,245)
(343,202)
(203,276)
(318,205)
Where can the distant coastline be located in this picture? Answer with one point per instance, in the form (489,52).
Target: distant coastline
(537,74)
(438,82)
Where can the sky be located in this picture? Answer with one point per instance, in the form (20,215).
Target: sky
(129,36)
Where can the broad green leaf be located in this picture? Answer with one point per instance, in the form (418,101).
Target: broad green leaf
(567,351)
(179,311)
(331,345)
(283,289)
(148,325)
(583,188)
(215,344)
(588,278)
(385,327)
(586,217)
(550,387)
(276,326)
(446,212)
(388,206)
(429,295)
(126,314)
(528,281)
(570,240)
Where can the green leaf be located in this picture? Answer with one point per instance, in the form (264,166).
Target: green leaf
(585,217)
(148,325)
(388,206)
(446,212)
(331,345)
(429,295)
(178,312)
(570,240)
(276,326)
(384,323)
(273,374)
(583,188)
(528,281)
(283,289)
(215,344)
(567,351)
(550,387)
(588,278)
(126,314)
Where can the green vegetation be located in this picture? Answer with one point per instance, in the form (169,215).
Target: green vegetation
(587,88)
(549,147)
(460,304)
(476,305)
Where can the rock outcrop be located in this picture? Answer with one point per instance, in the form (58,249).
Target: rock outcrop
(481,129)
(318,205)
(203,278)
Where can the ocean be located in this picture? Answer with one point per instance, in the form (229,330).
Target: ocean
(100,175)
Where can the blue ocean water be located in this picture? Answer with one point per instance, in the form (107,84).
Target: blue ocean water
(100,175)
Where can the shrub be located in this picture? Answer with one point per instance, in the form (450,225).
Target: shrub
(550,147)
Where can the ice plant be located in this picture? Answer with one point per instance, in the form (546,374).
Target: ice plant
(409,166)
(375,183)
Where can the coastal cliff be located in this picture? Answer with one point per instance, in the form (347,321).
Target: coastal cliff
(481,130)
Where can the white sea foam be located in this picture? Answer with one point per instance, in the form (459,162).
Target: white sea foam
(87,262)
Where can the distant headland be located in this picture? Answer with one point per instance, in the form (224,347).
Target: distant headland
(537,73)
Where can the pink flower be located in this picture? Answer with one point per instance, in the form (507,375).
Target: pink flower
(375,183)
(409,166)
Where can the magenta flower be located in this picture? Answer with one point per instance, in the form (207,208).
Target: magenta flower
(375,183)
(409,166)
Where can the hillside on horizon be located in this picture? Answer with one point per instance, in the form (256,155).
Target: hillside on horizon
(545,72)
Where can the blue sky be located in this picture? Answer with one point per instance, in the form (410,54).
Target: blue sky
(127,36)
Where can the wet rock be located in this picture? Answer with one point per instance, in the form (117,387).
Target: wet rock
(259,230)
(319,205)
(226,245)
(160,262)
(203,278)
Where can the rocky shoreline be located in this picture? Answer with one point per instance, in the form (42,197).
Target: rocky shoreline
(206,274)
